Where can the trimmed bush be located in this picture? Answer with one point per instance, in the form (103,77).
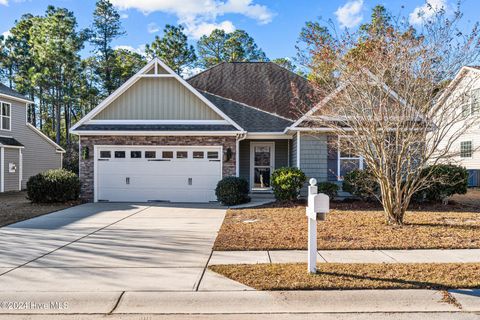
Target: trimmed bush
(58,185)
(447,180)
(329,188)
(361,183)
(231,191)
(287,182)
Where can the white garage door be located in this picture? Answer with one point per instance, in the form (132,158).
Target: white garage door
(141,174)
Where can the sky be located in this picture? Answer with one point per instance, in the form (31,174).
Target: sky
(274,24)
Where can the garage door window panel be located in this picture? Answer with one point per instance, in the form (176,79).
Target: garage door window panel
(167,154)
(182,155)
(135,154)
(105,154)
(212,155)
(198,155)
(150,154)
(120,154)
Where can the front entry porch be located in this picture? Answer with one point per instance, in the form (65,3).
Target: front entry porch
(259,158)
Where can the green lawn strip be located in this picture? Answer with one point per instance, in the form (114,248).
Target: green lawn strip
(330,276)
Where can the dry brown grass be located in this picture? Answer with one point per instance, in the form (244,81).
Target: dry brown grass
(354,225)
(14,207)
(332,276)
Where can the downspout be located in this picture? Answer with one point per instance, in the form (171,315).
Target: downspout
(240,137)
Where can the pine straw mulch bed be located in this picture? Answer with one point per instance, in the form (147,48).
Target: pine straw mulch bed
(331,276)
(14,207)
(354,225)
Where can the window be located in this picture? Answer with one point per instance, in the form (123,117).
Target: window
(198,155)
(182,154)
(150,154)
(348,160)
(466,149)
(135,154)
(119,154)
(212,155)
(105,154)
(167,154)
(5,116)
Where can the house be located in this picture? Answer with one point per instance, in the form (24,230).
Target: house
(463,93)
(24,150)
(162,138)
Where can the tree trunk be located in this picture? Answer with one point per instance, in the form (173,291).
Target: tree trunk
(393,203)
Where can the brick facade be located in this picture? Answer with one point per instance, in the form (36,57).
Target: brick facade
(86,165)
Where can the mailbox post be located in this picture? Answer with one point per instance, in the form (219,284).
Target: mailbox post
(317,209)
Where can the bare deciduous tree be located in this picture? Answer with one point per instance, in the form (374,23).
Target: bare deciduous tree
(390,100)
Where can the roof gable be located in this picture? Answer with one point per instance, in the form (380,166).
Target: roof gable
(262,85)
(13,94)
(155,70)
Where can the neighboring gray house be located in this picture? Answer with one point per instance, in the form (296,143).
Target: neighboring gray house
(162,138)
(24,150)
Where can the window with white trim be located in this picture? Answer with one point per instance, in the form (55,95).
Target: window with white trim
(5,116)
(466,149)
(348,160)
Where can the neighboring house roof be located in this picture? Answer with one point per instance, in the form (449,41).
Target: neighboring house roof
(5,141)
(154,127)
(249,118)
(263,85)
(4,90)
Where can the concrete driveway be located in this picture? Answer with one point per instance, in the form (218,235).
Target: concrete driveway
(112,247)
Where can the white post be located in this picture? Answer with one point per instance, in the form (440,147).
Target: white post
(312,230)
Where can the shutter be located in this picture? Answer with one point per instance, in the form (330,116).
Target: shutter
(332,158)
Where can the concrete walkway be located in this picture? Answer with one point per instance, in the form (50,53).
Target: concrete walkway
(347,256)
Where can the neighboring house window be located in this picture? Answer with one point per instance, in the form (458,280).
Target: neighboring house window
(347,159)
(466,149)
(471,105)
(5,115)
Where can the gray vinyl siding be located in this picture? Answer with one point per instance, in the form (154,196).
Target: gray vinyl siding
(38,154)
(280,158)
(11,155)
(158,99)
(293,151)
(313,156)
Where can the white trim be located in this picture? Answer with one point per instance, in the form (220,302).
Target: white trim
(6,96)
(11,147)
(110,146)
(20,171)
(268,135)
(252,162)
(134,79)
(237,153)
(2,169)
(40,133)
(298,149)
(199,122)
(158,75)
(157,133)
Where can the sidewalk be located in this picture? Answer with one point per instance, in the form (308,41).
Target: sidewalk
(347,256)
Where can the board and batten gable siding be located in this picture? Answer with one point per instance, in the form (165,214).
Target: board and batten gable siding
(11,180)
(281,155)
(38,154)
(157,99)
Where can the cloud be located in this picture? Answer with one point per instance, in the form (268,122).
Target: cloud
(199,17)
(153,28)
(6,34)
(4,2)
(426,11)
(140,49)
(123,16)
(350,14)
(190,72)
(207,28)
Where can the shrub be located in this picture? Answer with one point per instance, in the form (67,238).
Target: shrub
(70,159)
(287,182)
(361,183)
(58,185)
(329,188)
(447,180)
(231,191)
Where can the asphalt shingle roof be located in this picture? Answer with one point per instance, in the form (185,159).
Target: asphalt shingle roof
(10,92)
(155,127)
(250,119)
(263,85)
(10,142)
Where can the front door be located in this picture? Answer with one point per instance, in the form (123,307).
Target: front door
(261,165)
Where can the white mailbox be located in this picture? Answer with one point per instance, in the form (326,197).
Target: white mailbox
(318,206)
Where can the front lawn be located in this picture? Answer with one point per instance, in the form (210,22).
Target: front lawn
(331,276)
(14,207)
(354,225)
